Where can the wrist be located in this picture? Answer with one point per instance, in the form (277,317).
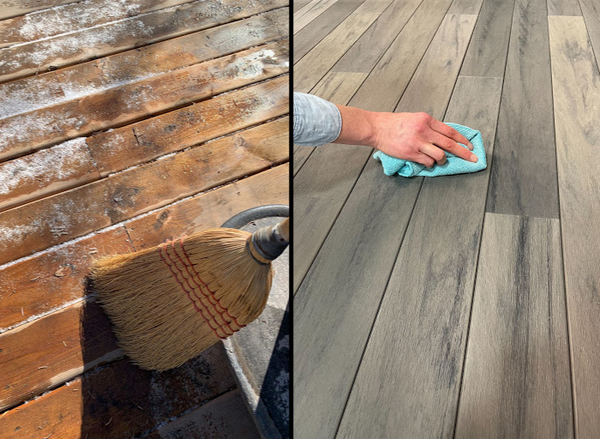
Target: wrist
(359,127)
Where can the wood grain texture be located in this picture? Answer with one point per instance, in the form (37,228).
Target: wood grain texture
(563,7)
(318,29)
(368,49)
(301,154)
(211,209)
(487,51)
(57,219)
(224,417)
(409,378)
(299,4)
(339,87)
(310,69)
(64,50)
(576,86)
(10,8)
(35,92)
(46,172)
(517,376)
(122,401)
(384,86)
(523,180)
(309,12)
(465,7)
(36,286)
(591,14)
(73,17)
(118,149)
(117,106)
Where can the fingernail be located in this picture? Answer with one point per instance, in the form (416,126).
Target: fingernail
(470,145)
(473,158)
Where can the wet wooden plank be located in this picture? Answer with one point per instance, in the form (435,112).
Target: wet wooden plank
(385,84)
(517,379)
(46,172)
(428,297)
(10,8)
(337,302)
(27,59)
(224,417)
(73,17)
(523,180)
(576,86)
(35,92)
(487,51)
(50,280)
(309,12)
(211,209)
(321,26)
(57,219)
(563,7)
(130,145)
(315,65)
(117,106)
(121,400)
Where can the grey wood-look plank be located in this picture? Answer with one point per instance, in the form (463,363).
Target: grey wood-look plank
(563,7)
(465,7)
(365,53)
(336,304)
(591,14)
(309,12)
(396,67)
(299,4)
(523,180)
(301,153)
(310,69)
(576,86)
(409,378)
(486,55)
(517,379)
(321,26)
(339,87)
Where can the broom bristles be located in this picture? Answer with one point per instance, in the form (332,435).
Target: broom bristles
(169,303)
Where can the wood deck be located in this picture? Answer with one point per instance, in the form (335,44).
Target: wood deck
(122,125)
(462,306)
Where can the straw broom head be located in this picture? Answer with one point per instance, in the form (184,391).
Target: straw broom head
(169,303)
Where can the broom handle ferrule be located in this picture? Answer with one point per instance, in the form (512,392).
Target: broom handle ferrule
(269,242)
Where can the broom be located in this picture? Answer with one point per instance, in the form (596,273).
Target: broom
(169,303)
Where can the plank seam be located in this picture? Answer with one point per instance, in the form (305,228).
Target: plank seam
(40,10)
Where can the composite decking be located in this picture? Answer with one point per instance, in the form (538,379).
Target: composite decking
(124,124)
(463,306)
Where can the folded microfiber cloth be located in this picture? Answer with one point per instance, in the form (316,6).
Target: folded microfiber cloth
(453,165)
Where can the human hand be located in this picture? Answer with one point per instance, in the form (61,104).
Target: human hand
(418,137)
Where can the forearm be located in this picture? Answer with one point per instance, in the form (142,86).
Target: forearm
(358,126)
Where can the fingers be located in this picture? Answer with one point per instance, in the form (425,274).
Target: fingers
(451,146)
(449,132)
(424,160)
(434,152)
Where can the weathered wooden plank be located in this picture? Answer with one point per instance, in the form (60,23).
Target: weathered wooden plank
(45,172)
(368,49)
(576,86)
(523,180)
(211,209)
(309,12)
(387,81)
(35,92)
(133,144)
(225,417)
(563,7)
(517,379)
(10,8)
(121,400)
(117,106)
(321,26)
(339,87)
(57,219)
(64,50)
(311,68)
(73,17)
(487,51)
(336,304)
(428,299)
(465,7)
(36,286)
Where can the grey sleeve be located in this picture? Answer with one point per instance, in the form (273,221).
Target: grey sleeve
(316,121)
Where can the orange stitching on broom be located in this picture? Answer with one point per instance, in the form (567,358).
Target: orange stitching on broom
(163,248)
(220,314)
(206,285)
(214,297)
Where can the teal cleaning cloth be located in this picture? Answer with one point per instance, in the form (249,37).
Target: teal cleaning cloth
(453,165)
